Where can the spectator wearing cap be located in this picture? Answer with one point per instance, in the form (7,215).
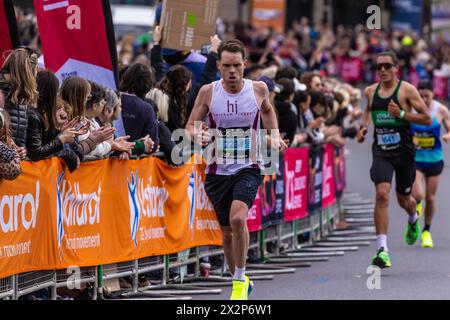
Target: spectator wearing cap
(273,87)
(287,121)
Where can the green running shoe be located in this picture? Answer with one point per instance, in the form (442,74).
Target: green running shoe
(381,259)
(412,233)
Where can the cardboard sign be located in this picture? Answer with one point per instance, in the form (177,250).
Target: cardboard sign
(188,24)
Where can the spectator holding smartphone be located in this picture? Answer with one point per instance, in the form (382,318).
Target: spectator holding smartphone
(44,139)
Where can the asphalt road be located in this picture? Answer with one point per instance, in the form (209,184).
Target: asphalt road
(416,273)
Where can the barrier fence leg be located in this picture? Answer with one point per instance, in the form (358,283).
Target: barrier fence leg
(295,231)
(197,262)
(166,270)
(100,282)
(96,286)
(328,224)
(135,276)
(15,283)
(262,245)
(279,231)
(321,224)
(53,293)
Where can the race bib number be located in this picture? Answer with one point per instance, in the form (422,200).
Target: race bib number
(234,143)
(388,139)
(424,142)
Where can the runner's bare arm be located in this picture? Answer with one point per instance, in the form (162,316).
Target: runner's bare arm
(200,110)
(268,115)
(445,114)
(415,101)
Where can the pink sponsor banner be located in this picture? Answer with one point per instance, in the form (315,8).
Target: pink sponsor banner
(254,214)
(351,69)
(296,183)
(328,186)
(414,78)
(440,87)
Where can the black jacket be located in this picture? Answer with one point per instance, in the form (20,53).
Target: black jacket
(19,122)
(287,120)
(139,118)
(40,144)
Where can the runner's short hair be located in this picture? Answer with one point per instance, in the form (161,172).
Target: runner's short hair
(425,85)
(389,54)
(233,46)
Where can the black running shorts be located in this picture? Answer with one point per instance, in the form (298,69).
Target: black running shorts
(383,169)
(430,169)
(223,190)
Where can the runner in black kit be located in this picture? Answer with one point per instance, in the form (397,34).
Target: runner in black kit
(390,105)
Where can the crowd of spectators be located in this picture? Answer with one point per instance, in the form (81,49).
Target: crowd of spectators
(313,75)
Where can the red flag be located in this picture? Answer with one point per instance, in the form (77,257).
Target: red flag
(78,39)
(9,38)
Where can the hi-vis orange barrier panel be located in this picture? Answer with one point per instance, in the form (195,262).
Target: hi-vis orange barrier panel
(106,211)
(268,13)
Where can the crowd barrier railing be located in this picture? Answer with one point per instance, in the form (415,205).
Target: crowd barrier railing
(112,219)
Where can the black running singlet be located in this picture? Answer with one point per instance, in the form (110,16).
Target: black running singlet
(392,136)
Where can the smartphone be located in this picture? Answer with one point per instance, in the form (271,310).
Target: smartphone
(81,125)
(206,49)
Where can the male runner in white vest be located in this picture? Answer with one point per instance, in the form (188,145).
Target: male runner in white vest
(234,107)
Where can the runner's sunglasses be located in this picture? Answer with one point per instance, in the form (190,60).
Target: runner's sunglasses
(386,66)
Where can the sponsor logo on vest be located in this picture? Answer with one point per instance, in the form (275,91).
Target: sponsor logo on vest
(232,107)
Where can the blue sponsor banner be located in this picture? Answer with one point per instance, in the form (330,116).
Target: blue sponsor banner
(440,18)
(407,15)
